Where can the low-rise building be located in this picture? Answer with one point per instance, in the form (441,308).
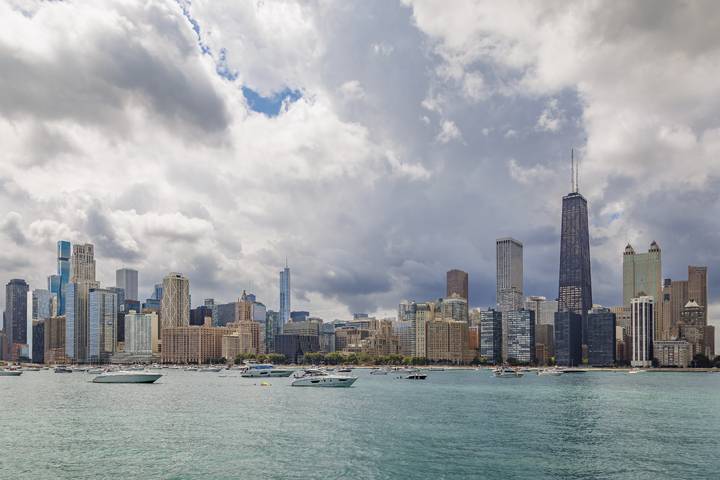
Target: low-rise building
(192,344)
(672,353)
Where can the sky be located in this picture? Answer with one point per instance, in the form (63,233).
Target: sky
(373,144)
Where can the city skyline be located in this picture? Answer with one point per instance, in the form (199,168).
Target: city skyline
(354,227)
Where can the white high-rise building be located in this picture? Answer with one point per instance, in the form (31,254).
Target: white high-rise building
(141,337)
(127,279)
(175,303)
(641,331)
(285,295)
(509,279)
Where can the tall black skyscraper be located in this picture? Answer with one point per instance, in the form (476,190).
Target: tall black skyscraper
(16,313)
(575,292)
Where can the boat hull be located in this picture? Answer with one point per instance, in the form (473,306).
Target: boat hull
(6,373)
(127,378)
(267,373)
(319,381)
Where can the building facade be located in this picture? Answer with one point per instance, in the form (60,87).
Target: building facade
(601,337)
(491,336)
(509,274)
(15,317)
(175,303)
(457,283)
(520,336)
(641,334)
(568,339)
(102,318)
(127,279)
(284,296)
(672,353)
(192,344)
(642,276)
(141,333)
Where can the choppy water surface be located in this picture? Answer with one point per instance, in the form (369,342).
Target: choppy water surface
(456,424)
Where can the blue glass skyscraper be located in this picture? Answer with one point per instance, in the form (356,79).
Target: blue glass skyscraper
(57,284)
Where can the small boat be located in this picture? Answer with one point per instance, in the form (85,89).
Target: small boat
(62,369)
(436,369)
(633,371)
(7,372)
(31,369)
(416,376)
(319,378)
(553,372)
(507,372)
(95,371)
(191,369)
(265,384)
(210,369)
(127,377)
(344,370)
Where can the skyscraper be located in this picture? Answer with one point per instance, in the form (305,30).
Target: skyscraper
(642,275)
(82,279)
(43,303)
(15,318)
(175,303)
(102,324)
(575,285)
(491,335)
(520,335)
(82,263)
(127,279)
(285,295)
(697,287)
(642,331)
(457,282)
(59,285)
(601,337)
(509,278)
(568,338)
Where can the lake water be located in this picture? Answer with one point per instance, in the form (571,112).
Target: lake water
(456,424)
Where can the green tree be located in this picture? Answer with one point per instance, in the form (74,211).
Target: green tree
(701,361)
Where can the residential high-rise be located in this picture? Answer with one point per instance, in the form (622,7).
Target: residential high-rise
(15,317)
(38,341)
(544,309)
(285,296)
(568,339)
(82,280)
(642,276)
(544,343)
(54,340)
(457,283)
(641,335)
(491,335)
(692,327)
(127,279)
(447,341)
(575,284)
(509,274)
(682,291)
(209,303)
(424,313)
(601,337)
(454,308)
(102,324)
(141,337)
(520,336)
(175,303)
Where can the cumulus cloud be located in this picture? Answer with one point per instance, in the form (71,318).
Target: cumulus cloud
(124,124)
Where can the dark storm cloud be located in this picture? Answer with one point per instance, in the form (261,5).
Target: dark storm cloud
(107,237)
(13,228)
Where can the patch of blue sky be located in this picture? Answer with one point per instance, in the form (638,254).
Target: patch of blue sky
(272,104)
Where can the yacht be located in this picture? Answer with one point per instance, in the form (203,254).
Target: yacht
(416,376)
(127,377)
(253,370)
(9,372)
(344,370)
(62,369)
(507,372)
(554,372)
(95,371)
(318,378)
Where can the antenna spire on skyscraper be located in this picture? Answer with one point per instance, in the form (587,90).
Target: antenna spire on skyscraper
(574,172)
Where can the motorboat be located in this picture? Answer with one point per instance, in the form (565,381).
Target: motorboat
(436,369)
(553,372)
(127,376)
(507,372)
(255,370)
(379,371)
(344,370)
(319,378)
(31,369)
(633,371)
(95,371)
(62,369)
(210,369)
(8,372)
(416,376)
(191,369)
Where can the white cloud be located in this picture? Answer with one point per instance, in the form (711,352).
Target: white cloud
(352,90)
(449,132)
(551,118)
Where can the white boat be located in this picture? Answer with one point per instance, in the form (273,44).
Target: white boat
(379,371)
(344,370)
(255,370)
(633,371)
(436,369)
(127,377)
(318,378)
(191,369)
(506,372)
(62,369)
(6,372)
(31,369)
(554,372)
(416,376)
(95,371)
(210,369)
